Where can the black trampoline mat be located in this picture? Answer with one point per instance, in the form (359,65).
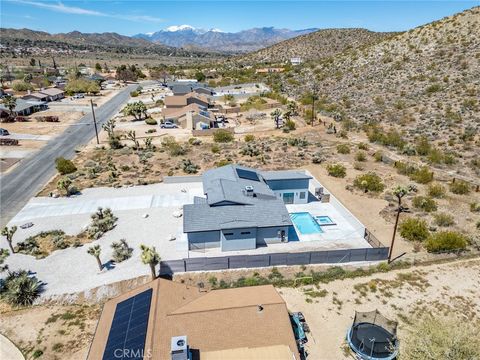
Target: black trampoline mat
(365,332)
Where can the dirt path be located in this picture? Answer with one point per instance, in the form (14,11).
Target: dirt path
(401,295)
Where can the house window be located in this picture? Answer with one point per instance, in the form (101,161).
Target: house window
(245,232)
(302,195)
(227,234)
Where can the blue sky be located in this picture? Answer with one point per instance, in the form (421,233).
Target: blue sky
(132,17)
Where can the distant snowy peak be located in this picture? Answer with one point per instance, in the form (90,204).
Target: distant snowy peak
(174,28)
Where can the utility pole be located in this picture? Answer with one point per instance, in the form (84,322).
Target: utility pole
(399,192)
(94,121)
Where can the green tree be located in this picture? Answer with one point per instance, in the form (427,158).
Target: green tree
(8,233)
(64,184)
(276,116)
(135,109)
(151,258)
(98,67)
(32,62)
(95,251)
(200,76)
(10,103)
(65,166)
(20,289)
(414,229)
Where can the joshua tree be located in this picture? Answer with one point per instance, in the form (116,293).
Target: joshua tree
(276,117)
(150,257)
(399,192)
(113,139)
(8,233)
(64,185)
(95,251)
(10,103)
(131,135)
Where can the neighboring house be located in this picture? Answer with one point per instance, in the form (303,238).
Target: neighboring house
(244,208)
(296,60)
(182,88)
(36,96)
(184,100)
(269,70)
(166,320)
(25,108)
(53,93)
(96,77)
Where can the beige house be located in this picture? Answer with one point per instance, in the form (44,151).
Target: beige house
(179,101)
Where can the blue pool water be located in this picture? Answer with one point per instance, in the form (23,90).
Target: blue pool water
(305,223)
(324,220)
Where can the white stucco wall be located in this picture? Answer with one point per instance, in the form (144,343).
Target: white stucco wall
(296,192)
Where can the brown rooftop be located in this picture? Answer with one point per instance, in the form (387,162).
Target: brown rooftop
(182,100)
(238,320)
(52,91)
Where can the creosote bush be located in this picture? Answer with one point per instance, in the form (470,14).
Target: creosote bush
(446,241)
(336,170)
(343,149)
(444,219)
(424,203)
(414,229)
(459,187)
(64,166)
(369,182)
(222,136)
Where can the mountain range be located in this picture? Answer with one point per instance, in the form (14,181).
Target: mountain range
(186,36)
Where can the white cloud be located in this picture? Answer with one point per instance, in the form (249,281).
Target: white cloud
(60,7)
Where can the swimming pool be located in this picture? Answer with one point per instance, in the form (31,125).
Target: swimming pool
(324,220)
(305,223)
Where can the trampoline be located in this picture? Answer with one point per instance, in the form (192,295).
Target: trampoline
(372,336)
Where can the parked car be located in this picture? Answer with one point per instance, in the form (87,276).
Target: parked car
(4,132)
(78,96)
(168,125)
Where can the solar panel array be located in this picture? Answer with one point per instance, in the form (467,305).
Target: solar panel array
(247,174)
(126,339)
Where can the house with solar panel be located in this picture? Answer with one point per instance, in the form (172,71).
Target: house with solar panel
(243,208)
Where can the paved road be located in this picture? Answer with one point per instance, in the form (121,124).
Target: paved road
(32,173)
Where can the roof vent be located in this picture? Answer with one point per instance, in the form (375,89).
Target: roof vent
(179,348)
(259,308)
(249,190)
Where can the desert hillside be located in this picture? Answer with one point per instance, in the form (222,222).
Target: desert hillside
(422,82)
(317,45)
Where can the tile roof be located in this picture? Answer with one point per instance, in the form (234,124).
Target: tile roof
(212,320)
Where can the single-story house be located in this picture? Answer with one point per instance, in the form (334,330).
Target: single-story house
(53,93)
(25,108)
(183,88)
(36,96)
(176,101)
(243,208)
(166,320)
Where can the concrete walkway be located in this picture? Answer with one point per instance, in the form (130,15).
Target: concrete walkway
(8,350)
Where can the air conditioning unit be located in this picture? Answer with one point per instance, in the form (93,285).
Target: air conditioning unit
(249,190)
(179,348)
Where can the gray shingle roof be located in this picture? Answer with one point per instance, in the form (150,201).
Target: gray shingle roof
(263,213)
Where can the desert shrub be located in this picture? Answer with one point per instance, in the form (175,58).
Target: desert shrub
(443,219)
(475,207)
(459,187)
(223,162)
(189,167)
(359,166)
(28,246)
(298,142)
(64,166)
(360,156)
(433,338)
(250,150)
(194,141)
(20,289)
(423,146)
(424,203)
(21,86)
(290,125)
(102,221)
(436,190)
(369,182)
(249,138)
(121,251)
(65,184)
(222,136)
(363,146)
(414,229)
(391,137)
(343,149)
(336,170)
(134,93)
(433,88)
(423,175)
(215,149)
(446,241)
(173,147)
(151,121)
(378,156)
